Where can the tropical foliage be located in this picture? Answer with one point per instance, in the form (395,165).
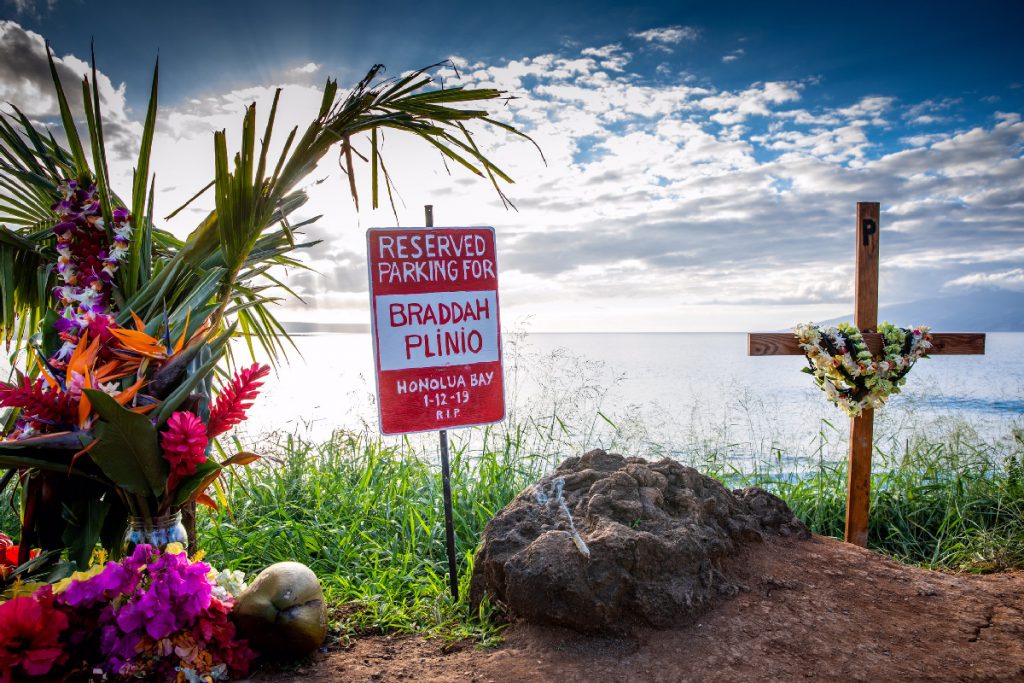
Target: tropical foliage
(118,326)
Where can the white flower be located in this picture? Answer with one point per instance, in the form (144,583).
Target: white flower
(87,297)
(830,390)
(65,351)
(232,581)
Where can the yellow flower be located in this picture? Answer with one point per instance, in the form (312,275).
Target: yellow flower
(92,571)
(174,549)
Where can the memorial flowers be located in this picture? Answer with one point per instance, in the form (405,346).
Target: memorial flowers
(845,369)
(151,616)
(120,325)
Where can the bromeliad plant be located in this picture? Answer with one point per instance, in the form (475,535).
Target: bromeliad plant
(119,326)
(842,365)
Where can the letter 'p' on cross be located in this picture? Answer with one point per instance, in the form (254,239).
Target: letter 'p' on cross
(868,227)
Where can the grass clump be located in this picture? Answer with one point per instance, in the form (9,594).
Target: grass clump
(365,514)
(951,501)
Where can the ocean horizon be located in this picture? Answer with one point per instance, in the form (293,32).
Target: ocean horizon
(657,393)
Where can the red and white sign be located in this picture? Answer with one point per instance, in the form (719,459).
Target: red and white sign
(436,331)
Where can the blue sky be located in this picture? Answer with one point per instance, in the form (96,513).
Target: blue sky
(703,158)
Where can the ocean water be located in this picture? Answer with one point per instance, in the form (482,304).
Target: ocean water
(651,393)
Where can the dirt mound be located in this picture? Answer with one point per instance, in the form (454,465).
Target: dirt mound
(816,610)
(608,541)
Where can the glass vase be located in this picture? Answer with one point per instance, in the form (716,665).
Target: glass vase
(158,532)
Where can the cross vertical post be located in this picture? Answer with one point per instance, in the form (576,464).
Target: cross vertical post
(865,317)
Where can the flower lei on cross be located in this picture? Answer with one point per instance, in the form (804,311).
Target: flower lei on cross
(845,369)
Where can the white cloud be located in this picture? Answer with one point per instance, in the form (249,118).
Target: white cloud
(931,111)
(663,38)
(1012,280)
(31,8)
(733,56)
(307,68)
(731,108)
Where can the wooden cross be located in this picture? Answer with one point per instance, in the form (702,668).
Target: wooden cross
(865,317)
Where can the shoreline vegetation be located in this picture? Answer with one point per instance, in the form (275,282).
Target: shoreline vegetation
(365,513)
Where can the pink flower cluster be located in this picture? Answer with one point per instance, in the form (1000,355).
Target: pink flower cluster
(151,616)
(184,444)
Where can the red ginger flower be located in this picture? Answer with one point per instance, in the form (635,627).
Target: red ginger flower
(30,629)
(8,555)
(37,403)
(184,445)
(236,398)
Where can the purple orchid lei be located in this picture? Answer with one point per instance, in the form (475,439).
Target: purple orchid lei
(87,261)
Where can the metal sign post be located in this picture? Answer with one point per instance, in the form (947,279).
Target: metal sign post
(446,480)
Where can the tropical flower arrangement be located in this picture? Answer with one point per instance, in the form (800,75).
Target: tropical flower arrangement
(152,616)
(135,403)
(119,326)
(845,369)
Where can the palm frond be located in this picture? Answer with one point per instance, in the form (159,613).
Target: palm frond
(225,270)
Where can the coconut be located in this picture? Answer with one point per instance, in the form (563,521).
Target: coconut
(282,612)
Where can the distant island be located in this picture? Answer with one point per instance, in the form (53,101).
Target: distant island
(979,311)
(322,328)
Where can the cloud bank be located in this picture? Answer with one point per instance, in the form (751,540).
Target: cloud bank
(667,202)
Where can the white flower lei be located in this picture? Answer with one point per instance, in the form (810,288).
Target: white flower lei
(842,364)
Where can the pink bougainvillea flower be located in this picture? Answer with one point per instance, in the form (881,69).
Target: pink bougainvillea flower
(184,445)
(115,579)
(30,629)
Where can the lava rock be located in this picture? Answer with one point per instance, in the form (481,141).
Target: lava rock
(607,541)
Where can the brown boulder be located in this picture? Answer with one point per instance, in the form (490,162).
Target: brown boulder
(607,541)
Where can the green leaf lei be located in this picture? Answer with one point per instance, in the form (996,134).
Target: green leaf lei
(844,368)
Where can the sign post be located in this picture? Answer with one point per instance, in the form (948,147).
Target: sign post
(865,317)
(436,336)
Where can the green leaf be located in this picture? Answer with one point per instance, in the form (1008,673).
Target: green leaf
(114,526)
(128,451)
(81,165)
(241,458)
(178,396)
(195,484)
(130,279)
(50,336)
(85,518)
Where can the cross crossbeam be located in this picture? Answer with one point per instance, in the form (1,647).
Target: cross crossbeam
(943,344)
(865,316)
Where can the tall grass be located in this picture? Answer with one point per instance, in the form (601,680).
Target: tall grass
(950,500)
(365,512)
(366,515)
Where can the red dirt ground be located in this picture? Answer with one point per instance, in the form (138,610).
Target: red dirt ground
(810,610)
